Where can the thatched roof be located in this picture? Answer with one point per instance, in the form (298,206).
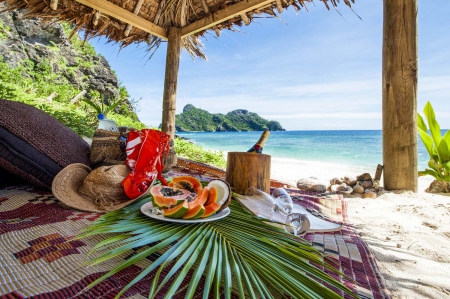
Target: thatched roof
(135,21)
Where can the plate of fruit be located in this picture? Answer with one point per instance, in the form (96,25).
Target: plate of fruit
(185,200)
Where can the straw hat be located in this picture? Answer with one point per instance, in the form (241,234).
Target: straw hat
(99,190)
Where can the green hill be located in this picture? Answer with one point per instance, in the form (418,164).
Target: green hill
(196,119)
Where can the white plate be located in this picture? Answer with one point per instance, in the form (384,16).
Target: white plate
(145,209)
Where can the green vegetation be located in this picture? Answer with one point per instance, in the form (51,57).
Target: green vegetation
(32,83)
(438,147)
(191,151)
(3,30)
(195,119)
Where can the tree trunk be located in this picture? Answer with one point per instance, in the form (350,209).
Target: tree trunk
(171,80)
(400,94)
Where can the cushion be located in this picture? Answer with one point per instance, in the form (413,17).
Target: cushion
(34,146)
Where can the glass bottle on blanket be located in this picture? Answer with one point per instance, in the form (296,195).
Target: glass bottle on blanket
(278,207)
(259,145)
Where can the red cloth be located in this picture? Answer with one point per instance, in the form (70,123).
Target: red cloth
(145,152)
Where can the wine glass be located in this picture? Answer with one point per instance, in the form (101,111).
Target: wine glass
(283,200)
(277,208)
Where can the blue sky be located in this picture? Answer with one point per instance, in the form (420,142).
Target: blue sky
(315,70)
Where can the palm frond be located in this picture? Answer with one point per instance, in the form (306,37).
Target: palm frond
(239,254)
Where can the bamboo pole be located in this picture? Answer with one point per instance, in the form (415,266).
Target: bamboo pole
(400,94)
(171,81)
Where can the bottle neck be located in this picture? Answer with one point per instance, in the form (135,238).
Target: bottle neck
(262,140)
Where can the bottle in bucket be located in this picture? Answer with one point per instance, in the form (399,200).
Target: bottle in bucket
(259,145)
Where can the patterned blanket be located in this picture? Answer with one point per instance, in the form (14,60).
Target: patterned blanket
(39,257)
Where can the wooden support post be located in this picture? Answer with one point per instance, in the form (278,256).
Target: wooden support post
(400,94)
(171,81)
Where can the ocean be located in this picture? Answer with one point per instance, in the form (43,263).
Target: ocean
(358,148)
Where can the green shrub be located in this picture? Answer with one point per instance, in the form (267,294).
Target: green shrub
(437,146)
(191,151)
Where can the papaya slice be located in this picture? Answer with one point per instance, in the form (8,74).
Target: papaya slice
(164,197)
(178,211)
(223,196)
(195,212)
(187,183)
(211,209)
(212,196)
(201,199)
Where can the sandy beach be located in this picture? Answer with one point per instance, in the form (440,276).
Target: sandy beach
(408,233)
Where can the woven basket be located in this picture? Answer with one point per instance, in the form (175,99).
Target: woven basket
(208,170)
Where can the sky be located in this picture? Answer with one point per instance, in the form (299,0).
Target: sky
(308,70)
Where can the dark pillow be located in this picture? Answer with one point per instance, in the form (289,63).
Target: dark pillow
(34,146)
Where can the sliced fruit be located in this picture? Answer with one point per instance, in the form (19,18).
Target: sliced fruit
(223,196)
(164,197)
(201,199)
(195,212)
(212,196)
(211,209)
(187,183)
(178,211)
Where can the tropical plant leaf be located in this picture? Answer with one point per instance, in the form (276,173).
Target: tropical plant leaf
(421,124)
(443,151)
(447,138)
(240,254)
(94,105)
(427,141)
(435,129)
(430,172)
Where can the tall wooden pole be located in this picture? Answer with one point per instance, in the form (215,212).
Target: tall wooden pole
(400,94)
(171,80)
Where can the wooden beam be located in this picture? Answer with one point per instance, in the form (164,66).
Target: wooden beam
(171,81)
(400,94)
(125,16)
(223,15)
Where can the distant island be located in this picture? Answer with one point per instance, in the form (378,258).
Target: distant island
(193,119)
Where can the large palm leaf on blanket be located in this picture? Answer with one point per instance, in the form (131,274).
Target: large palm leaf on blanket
(239,254)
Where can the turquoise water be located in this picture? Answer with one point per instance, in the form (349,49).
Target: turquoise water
(361,148)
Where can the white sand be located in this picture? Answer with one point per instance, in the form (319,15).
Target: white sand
(409,233)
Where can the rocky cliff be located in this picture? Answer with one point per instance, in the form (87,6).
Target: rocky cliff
(47,46)
(195,119)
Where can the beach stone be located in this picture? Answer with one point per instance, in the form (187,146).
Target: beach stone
(336,181)
(350,180)
(358,189)
(370,194)
(366,184)
(364,177)
(311,184)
